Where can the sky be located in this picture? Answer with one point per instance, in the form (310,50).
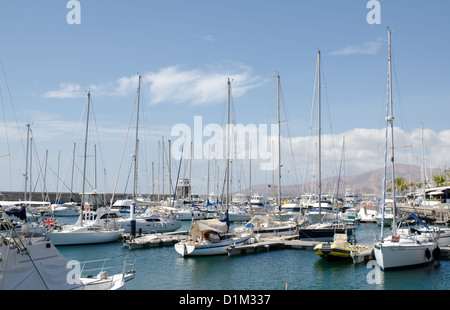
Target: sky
(54,52)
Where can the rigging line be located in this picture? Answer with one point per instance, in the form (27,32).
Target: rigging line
(12,104)
(123,150)
(98,136)
(329,118)
(289,134)
(7,138)
(308,150)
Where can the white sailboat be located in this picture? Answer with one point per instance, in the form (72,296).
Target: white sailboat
(404,247)
(153,220)
(85,232)
(320,230)
(212,237)
(156,219)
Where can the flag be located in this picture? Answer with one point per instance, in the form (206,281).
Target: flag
(48,222)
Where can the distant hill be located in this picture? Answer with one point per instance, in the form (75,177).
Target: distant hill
(365,183)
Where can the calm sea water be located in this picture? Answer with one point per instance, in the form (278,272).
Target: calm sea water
(164,269)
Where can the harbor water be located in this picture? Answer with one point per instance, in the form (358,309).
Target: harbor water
(162,268)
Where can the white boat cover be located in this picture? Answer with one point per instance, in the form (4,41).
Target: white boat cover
(198,227)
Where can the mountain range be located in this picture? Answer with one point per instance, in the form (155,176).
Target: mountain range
(367,183)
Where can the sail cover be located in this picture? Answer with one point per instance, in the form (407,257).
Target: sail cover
(202,226)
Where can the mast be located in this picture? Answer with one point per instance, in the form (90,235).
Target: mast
(228,143)
(391,122)
(170,176)
(279,142)
(320,146)
(422,174)
(73,167)
(26,162)
(136,151)
(85,157)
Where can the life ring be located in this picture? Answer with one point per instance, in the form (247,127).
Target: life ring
(86,207)
(369,204)
(364,204)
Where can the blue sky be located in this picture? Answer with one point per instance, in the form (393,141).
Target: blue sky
(186,50)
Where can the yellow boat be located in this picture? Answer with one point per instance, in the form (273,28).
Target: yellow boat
(340,249)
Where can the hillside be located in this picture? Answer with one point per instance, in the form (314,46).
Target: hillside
(365,183)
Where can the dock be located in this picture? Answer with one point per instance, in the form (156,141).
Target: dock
(272,243)
(155,240)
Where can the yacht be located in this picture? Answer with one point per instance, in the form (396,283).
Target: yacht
(210,237)
(258,202)
(153,220)
(92,227)
(34,263)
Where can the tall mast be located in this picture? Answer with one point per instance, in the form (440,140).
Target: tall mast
(279,142)
(320,146)
(85,157)
(73,168)
(136,151)
(391,121)
(26,162)
(228,142)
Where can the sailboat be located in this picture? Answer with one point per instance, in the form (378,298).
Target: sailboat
(85,232)
(154,220)
(212,236)
(404,247)
(323,231)
(271,224)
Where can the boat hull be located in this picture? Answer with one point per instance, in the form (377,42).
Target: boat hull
(333,252)
(390,255)
(220,248)
(189,215)
(323,234)
(145,227)
(83,237)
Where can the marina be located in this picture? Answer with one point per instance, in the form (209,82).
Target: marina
(165,154)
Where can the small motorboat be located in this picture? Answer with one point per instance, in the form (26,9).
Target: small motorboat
(340,249)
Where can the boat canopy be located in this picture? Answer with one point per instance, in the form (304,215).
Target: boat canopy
(199,227)
(413,216)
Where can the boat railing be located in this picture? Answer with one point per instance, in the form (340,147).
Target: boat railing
(101,266)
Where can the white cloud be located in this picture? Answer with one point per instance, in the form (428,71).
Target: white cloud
(366,48)
(173,84)
(198,86)
(66,90)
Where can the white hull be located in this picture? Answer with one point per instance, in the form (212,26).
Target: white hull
(326,216)
(145,227)
(186,215)
(368,216)
(18,271)
(387,220)
(209,248)
(285,230)
(405,253)
(65,212)
(239,217)
(83,237)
